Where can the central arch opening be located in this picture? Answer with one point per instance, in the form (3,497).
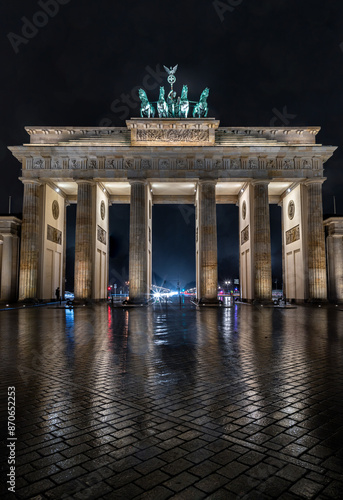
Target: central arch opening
(173,246)
(228,247)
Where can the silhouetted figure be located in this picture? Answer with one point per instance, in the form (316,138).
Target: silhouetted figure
(57,293)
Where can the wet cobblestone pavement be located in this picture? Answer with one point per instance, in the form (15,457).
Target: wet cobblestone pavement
(170,402)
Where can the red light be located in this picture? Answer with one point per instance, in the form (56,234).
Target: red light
(108,288)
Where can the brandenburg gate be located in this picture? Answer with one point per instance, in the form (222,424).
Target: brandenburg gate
(172,159)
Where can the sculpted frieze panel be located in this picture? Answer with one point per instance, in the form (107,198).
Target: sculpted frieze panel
(38,163)
(288,164)
(146,164)
(56,164)
(181,164)
(271,164)
(245,235)
(172,135)
(253,164)
(111,163)
(92,164)
(235,163)
(54,235)
(293,235)
(306,163)
(164,164)
(128,164)
(74,164)
(101,235)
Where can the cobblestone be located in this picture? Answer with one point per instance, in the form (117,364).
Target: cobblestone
(164,402)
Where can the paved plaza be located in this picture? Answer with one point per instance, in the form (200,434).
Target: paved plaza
(174,402)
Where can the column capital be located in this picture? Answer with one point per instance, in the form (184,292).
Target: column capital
(30,181)
(208,181)
(85,181)
(320,180)
(138,181)
(255,182)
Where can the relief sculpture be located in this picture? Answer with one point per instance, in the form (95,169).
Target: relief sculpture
(54,235)
(173,135)
(101,235)
(245,235)
(293,235)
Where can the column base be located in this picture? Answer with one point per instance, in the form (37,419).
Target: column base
(317,301)
(209,302)
(29,301)
(264,302)
(135,302)
(81,302)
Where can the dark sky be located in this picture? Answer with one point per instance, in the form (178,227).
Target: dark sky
(259,58)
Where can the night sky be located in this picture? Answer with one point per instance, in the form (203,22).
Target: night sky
(275,62)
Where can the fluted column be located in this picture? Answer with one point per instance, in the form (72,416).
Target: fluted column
(334,246)
(9,257)
(262,248)
(208,265)
(64,262)
(317,288)
(30,240)
(138,265)
(84,241)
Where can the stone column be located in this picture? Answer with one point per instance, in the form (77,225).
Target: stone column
(208,266)
(30,241)
(84,241)
(9,257)
(334,247)
(138,265)
(317,288)
(64,256)
(262,248)
(284,284)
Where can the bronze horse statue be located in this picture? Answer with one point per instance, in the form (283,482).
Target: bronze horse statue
(162,107)
(147,109)
(201,108)
(184,103)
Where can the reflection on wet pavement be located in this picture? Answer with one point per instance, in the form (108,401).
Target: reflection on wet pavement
(175,401)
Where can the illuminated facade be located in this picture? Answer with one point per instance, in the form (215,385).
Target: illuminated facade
(9,257)
(167,160)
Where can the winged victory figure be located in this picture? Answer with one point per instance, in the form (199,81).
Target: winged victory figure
(172,70)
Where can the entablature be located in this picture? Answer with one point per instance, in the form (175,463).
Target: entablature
(225,162)
(190,131)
